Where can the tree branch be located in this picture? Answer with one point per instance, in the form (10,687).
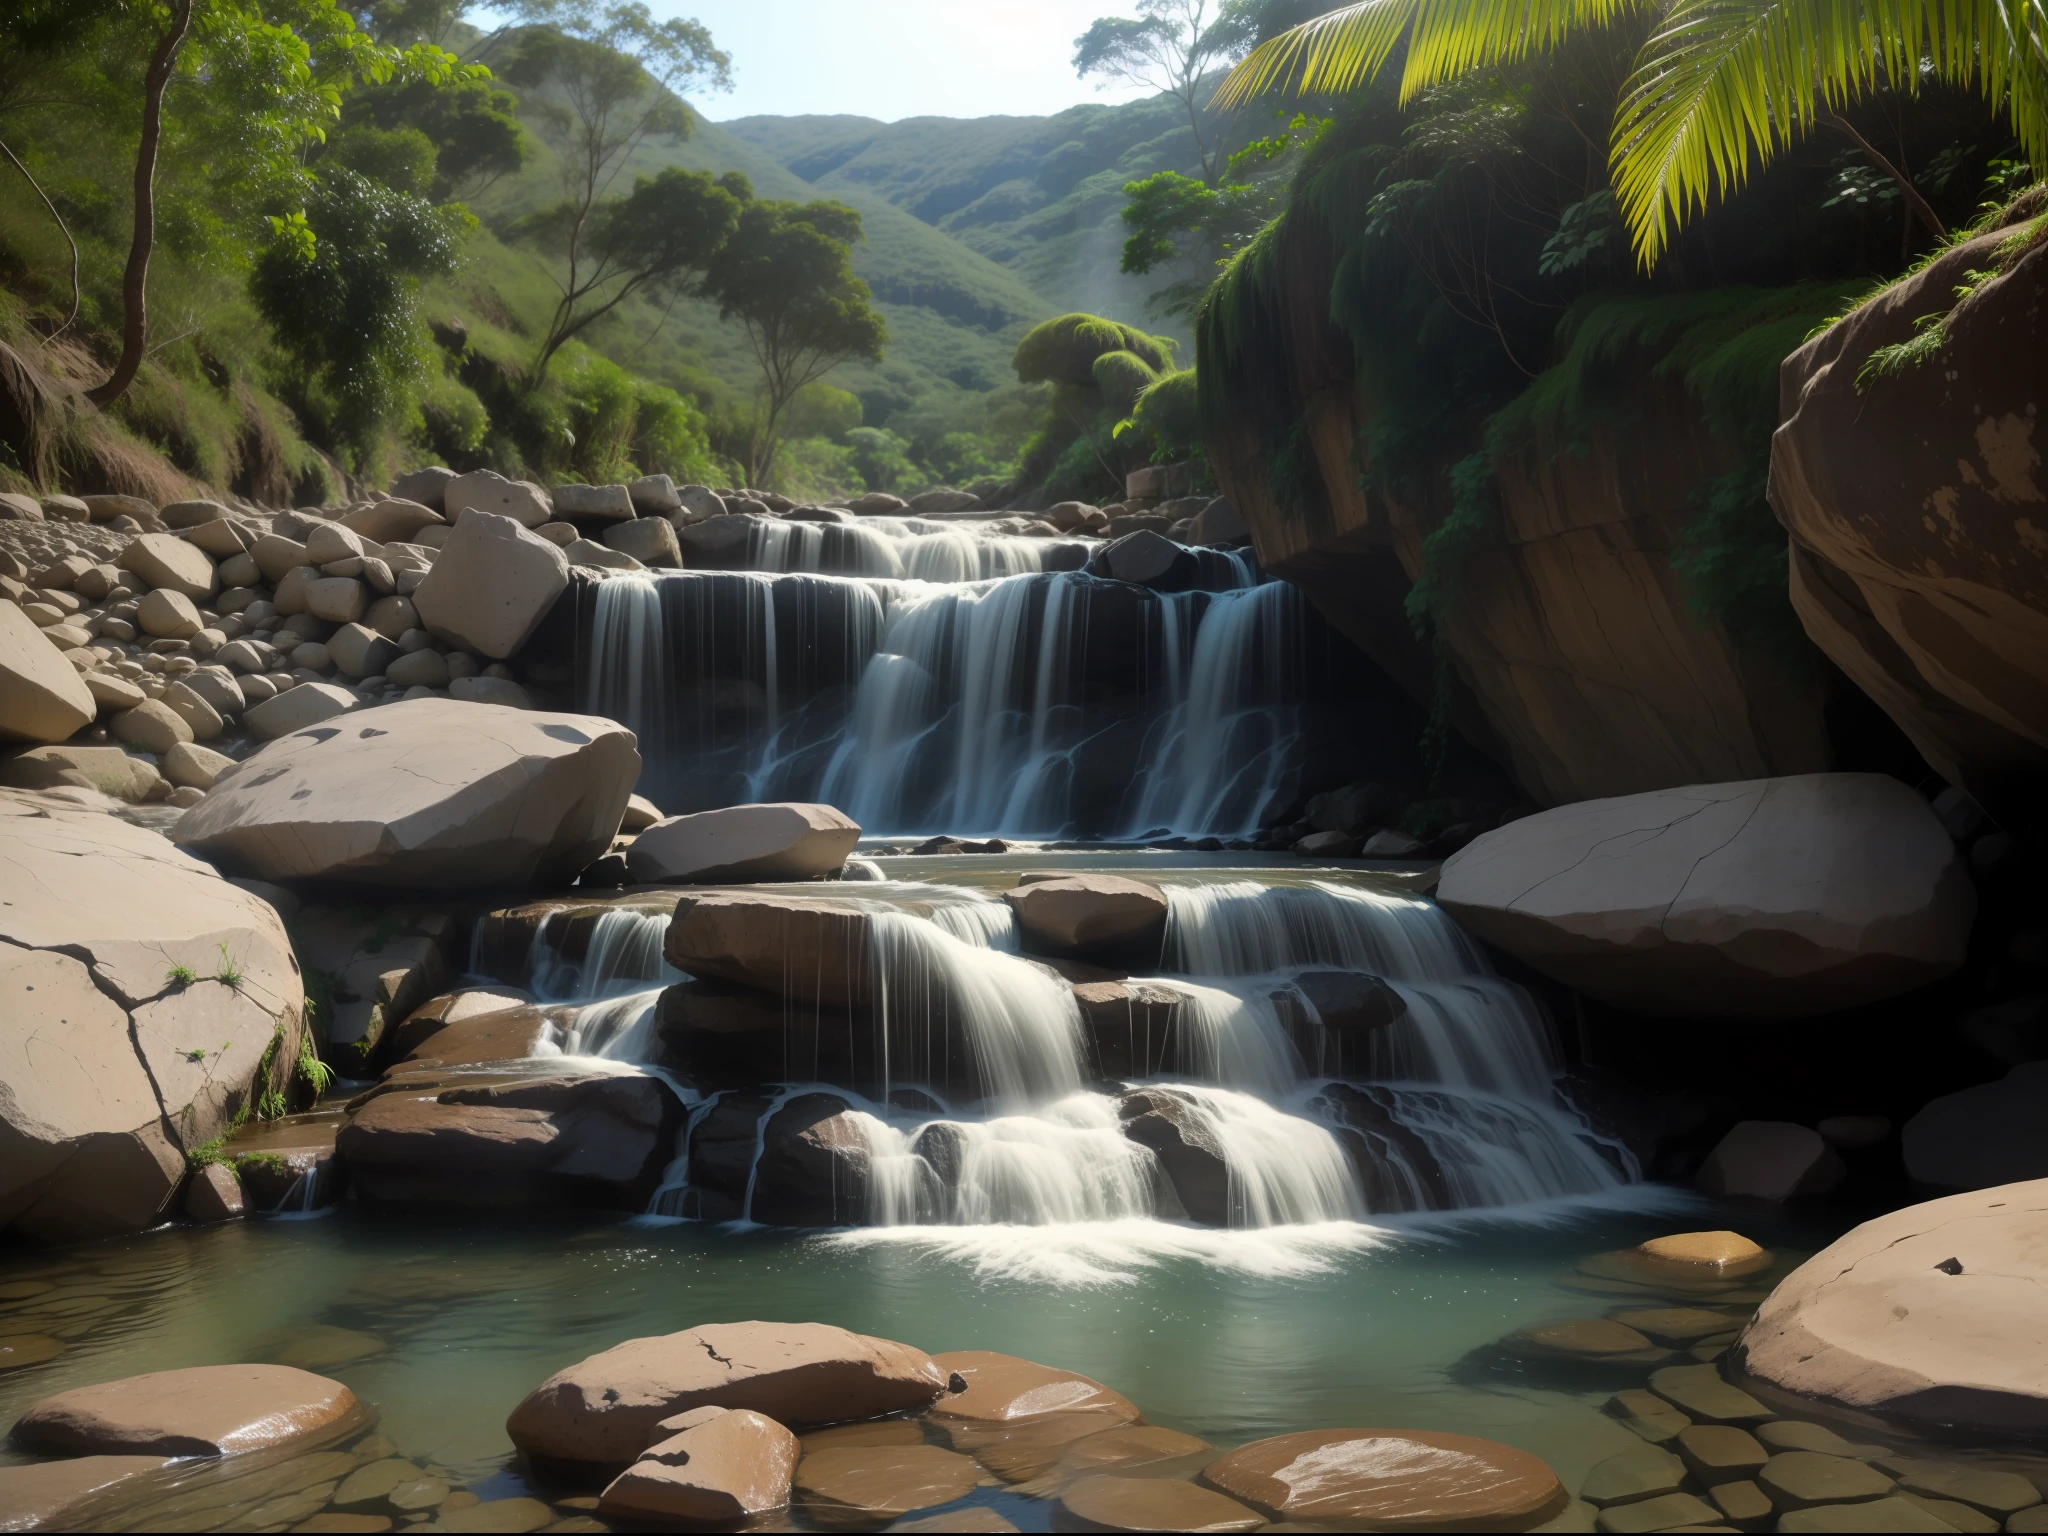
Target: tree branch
(62,228)
(1914,201)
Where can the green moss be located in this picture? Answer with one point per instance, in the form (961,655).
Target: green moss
(1064,350)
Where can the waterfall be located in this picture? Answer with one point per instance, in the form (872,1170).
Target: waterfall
(907,548)
(622,954)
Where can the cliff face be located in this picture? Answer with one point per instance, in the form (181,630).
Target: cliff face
(1918,510)
(1587,673)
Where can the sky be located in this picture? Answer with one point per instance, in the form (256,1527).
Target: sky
(899,58)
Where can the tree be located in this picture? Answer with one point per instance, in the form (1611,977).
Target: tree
(472,124)
(786,275)
(604,81)
(1167,46)
(656,238)
(1719,87)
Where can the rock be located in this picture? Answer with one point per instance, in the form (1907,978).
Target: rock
(641,813)
(1993,1133)
(1852,1133)
(943,500)
(214,1194)
(1699,1392)
(1920,1317)
(1721,1453)
(717,1465)
(360,650)
(1775,898)
(1219,523)
(559,1141)
(390,617)
(112,693)
(1771,1160)
(208,1410)
(864,1486)
(1149,559)
(594,502)
(50,1495)
(394,520)
(654,496)
(1090,915)
(1648,1415)
(1585,1338)
(425,486)
(1676,1326)
(1667,1512)
(1181,1136)
(104,509)
(1151,1504)
(217,688)
(1134,1449)
(813,1168)
(1006,1390)
(220,538)
(1802,1479)
(1633,1476)
(1327,845)
(297,709)
(42,697)
(166,561)
(277,556)
(1350,1000)
(599,557)
(785,841)
(488,492)
(151,725)
(195,767)
(17,508)
(200,717)
(1724,1255)
(1871,1515)
(649,540)
(489,690)
(190,514)
(1401,1479)
(1913,566)
(431,792)
(799,947)
(491,586)
(337,599)
(606,1409)
(420,669)
(106,769)
(168,615)
(1999,1494)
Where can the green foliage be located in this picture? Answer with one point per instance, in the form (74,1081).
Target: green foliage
(471,124)
(1064,350)
(1120,377)
(312,1071)
(180,977)
(880,459)
(1167,415)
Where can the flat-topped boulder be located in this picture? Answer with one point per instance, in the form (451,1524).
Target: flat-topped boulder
(1391,1479)
(794,946)
(722,1465)
(1113,1503)
(42,697)
(428,792)
(783,841)
(1003,1389)
(130,954)
(1089,916)
(487,491)
(1768,899)
(207,1410)
(1928,1317)
(864,1486)
(607,1409)
(51,1495)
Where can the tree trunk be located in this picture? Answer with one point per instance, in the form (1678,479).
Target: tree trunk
(134,283)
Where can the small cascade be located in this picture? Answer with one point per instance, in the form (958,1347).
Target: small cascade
(621,954)
(903,548)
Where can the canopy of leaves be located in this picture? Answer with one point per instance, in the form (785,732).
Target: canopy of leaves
(1166,414)
(1064,350)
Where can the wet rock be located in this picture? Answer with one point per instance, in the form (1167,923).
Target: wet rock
(1667,1512)
(214,1194)
(498,1515)
(474,1028)
(1771,1160)
(813,1169)
(1132,1025)
(744,843)
(1925,1316)
(1150,1504)
(1019,1418)
(1721,1453)
(606,1409)
(1586,1338)
(1647,1415)
(1633,1476)
(863,1486)
(545,1141)
(800,947)
(1132,1450)
(430,793)
(208,1410)
(1989,1134)
(1328,845)
(1148,559)
(1999,1494)
(1699,1392)
(715,1464)
(1802,1479)
(1772,898)
(321,1347)
(48,1495)
(1396,1169)
(1391,1478)
(1350,1000)
(370,1487)
(1797,1435)
(1676,1326)
(491,585)
(1692,1255)
(1183,1139)
(1091,916)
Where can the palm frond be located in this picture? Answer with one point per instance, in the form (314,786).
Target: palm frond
(1333,53)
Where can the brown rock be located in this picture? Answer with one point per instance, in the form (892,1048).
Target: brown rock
(744,843)
(1350,1000)
(1773,898)
(1926,1316)
(795,946)
(1721,1453)
(1802,1479)
(649,540)
(47,1495)
(1583,1338)
(1771,1160)
(1385,1478)
(718,1464)
(1182,1137)
(1699,1392)
(1090,915)
(214,1194)
(498,1515)
(1723,1254)
(430,792)
(42,697)
(605,1409)
(207,1410)
(1150,1504)
(863,1486)
(1633,1476)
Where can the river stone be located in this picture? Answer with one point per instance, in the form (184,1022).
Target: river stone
(1585,1338)
(1151,1504)
(297,709)
(1131,1449)
(1667,1512)
(1993,1493)
(1927,1316)
(595,502)
(42,697)
(369,1486)
(108,691)
(605,1409)
(784,841)
(206,1410)
(168,615)
(1721,1453)
(488,492)
(337,599)
(1801,1479)
(1676,1326)
(1403,1479)
(430,792)
(394,520)
(594,556)
(1699,1391)
(1647,1415)
(497,1515)
(1766,899)
(1722,1254)
(42,1496)
(1771,1160)
(214,1194)
(109,770)
(165,560)
(794,946)
(863,1486)
(491,585)
(1148,559)
(650,540)
(1350,1000)
(716,1465)
(1631,1477)
(1090,915)
(190,514)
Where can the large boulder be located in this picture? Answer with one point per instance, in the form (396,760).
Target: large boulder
(143,996)
(167,561)
(720,1465)
(491,585)
(1391,1479)
(393,520)
(1184,1141)
(813,1169)
(1929,1317)
(426,486)
(1915,502)
(607,1409)
(206,1410)
(1768,899)
(1090,916)
(42,697)
(559,1141)
(1993,1133)
(487,491)
(428,792)
(649,540)
(54,1495)
(744,843)
(798,947)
